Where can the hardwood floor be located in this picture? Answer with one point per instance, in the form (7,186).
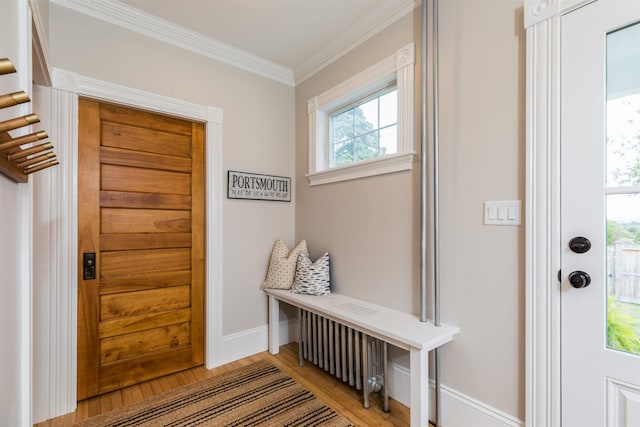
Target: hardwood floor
(342,398)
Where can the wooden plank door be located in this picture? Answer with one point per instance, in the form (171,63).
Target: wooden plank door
(141,212)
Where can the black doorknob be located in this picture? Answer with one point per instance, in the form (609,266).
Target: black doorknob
(579,244)
(579,279)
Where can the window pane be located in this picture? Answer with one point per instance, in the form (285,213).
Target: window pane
(389,109)
(342,125)
(623,272)
(623,141)
(357,134)
(623,204)
(367,117)
(343,153)
(389,140)
(367,146)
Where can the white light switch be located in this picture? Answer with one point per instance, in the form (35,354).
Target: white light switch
(492,213)
(502,212)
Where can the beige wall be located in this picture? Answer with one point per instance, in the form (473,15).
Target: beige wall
(370,260)
(371,226)
(483,152)
(257,136)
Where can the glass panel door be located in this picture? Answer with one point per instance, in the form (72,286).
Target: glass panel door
(623,189)
(600,205)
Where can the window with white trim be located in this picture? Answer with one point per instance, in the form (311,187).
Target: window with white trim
(364,126)
(366,130)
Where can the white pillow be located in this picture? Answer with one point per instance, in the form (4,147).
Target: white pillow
(282,265)
(312,278)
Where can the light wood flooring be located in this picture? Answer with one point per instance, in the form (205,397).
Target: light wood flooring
(342,398)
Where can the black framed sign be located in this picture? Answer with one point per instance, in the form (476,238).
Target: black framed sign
(255,186)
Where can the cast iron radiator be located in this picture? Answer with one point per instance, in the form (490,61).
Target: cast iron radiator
(357,358)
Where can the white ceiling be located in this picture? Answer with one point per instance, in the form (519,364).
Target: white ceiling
(299,35)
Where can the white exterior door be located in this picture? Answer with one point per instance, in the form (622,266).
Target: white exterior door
(600,201)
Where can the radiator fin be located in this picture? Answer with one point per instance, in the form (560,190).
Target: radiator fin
(350,355)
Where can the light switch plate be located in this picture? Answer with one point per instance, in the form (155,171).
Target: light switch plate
(502,212)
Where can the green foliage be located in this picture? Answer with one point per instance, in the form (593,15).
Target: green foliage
(617,231)
(628,147)
(622,331)
(354,139)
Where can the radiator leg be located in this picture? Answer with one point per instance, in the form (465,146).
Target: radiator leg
(350,357)
(300,339)
(332,363)
(307,346)
(339,347)
(343,353)
(365,371)
(314,340)
(319,324)
(358,361)
(385,378)
(325,343)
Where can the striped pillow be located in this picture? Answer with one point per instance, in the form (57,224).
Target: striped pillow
(282,265)
(312,278)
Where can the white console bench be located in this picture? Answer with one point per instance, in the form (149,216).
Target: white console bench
(400,329)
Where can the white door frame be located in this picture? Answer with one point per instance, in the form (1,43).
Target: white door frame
(61,209)
(542,256)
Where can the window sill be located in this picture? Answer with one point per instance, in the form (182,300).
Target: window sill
(382,165)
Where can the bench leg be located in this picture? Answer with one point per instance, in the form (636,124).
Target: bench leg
(274,325)
(419,387)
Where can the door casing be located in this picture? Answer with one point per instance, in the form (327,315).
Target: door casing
(60,211)
(542,212)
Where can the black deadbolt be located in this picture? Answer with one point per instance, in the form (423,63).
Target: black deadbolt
(579,244)
(579,279)
(88,266)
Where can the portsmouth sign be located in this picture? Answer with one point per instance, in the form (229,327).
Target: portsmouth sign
(254,186)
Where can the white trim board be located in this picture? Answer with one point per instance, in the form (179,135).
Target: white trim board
(542,257)
(398,67)
(67,87)
(55,274)
(252,341)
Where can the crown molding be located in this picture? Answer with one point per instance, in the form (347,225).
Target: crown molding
(368,27)
(125,16)
(122,15)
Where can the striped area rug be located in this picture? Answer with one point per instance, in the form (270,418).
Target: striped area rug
(256,395)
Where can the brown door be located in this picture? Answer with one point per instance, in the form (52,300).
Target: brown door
(141,212)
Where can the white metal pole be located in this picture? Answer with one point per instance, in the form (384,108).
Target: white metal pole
(436,205)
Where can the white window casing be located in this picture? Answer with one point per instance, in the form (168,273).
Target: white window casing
(398,68)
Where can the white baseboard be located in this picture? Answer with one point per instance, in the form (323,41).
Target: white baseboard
(251,341)
(458,409)
(399,383)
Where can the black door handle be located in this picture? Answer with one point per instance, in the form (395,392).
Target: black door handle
(579,279)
